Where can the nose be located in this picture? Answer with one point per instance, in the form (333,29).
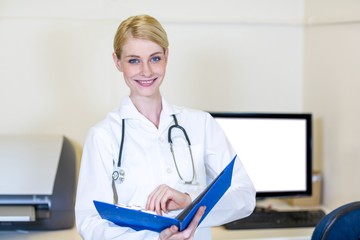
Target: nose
(146,70)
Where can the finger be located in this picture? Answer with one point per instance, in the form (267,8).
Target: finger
(159,199)
(155,198)
(150,201)
(168,232)
(173,199)
(164,200)
(189,232)
(170,199)
(195,221)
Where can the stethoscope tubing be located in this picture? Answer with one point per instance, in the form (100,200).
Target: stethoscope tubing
(117,172)
(122,142)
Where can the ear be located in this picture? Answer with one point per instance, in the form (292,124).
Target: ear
(117,62)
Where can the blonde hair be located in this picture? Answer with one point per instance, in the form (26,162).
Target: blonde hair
(140,27)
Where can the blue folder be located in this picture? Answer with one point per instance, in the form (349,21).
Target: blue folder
(140,220)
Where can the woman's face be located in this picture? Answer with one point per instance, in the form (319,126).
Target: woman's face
(143,64)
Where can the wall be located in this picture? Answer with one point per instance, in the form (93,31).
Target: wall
(57,75)
(331,84)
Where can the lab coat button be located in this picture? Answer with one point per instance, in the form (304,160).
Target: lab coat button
(169,170)
(161,139)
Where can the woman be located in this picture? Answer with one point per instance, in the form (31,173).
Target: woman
(133,142)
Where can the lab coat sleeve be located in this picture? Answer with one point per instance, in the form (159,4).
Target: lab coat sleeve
(94,183)
(239,200)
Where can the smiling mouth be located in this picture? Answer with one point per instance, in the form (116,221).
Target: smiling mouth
(146,83)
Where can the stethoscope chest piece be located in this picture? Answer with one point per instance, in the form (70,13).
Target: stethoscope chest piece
(118,175)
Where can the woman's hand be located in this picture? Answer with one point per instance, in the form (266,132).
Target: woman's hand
(165,198)
(173,233)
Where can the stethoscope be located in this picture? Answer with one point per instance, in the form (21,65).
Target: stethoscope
(118,174)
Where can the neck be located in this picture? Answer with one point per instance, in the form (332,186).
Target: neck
(150,107)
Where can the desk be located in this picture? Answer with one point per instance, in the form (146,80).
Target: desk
(68,234)
(220,233)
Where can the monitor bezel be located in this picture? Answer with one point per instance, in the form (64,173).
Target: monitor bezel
(309,150)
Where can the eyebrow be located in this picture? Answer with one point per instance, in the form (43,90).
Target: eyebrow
(136,56)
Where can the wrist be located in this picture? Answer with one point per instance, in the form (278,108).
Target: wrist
(188,199)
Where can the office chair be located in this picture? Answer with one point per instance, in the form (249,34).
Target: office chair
(341,223)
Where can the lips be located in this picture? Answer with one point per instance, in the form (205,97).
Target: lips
(146,83)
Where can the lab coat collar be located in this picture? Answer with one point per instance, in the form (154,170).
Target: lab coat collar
(128,110)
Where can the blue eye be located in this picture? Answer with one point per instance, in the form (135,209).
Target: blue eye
(155,59)
(133,61)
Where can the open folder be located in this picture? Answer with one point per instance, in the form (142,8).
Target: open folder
(141,220)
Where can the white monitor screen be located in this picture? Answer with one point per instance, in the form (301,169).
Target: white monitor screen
(274,148)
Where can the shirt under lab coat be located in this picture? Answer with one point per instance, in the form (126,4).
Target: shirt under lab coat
(147,162)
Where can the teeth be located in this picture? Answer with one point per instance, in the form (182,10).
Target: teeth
(146,82)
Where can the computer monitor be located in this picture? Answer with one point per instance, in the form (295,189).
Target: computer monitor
(275,148)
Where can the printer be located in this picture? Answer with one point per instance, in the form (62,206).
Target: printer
(37,182)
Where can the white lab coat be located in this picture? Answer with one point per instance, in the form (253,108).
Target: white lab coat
(147,161)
